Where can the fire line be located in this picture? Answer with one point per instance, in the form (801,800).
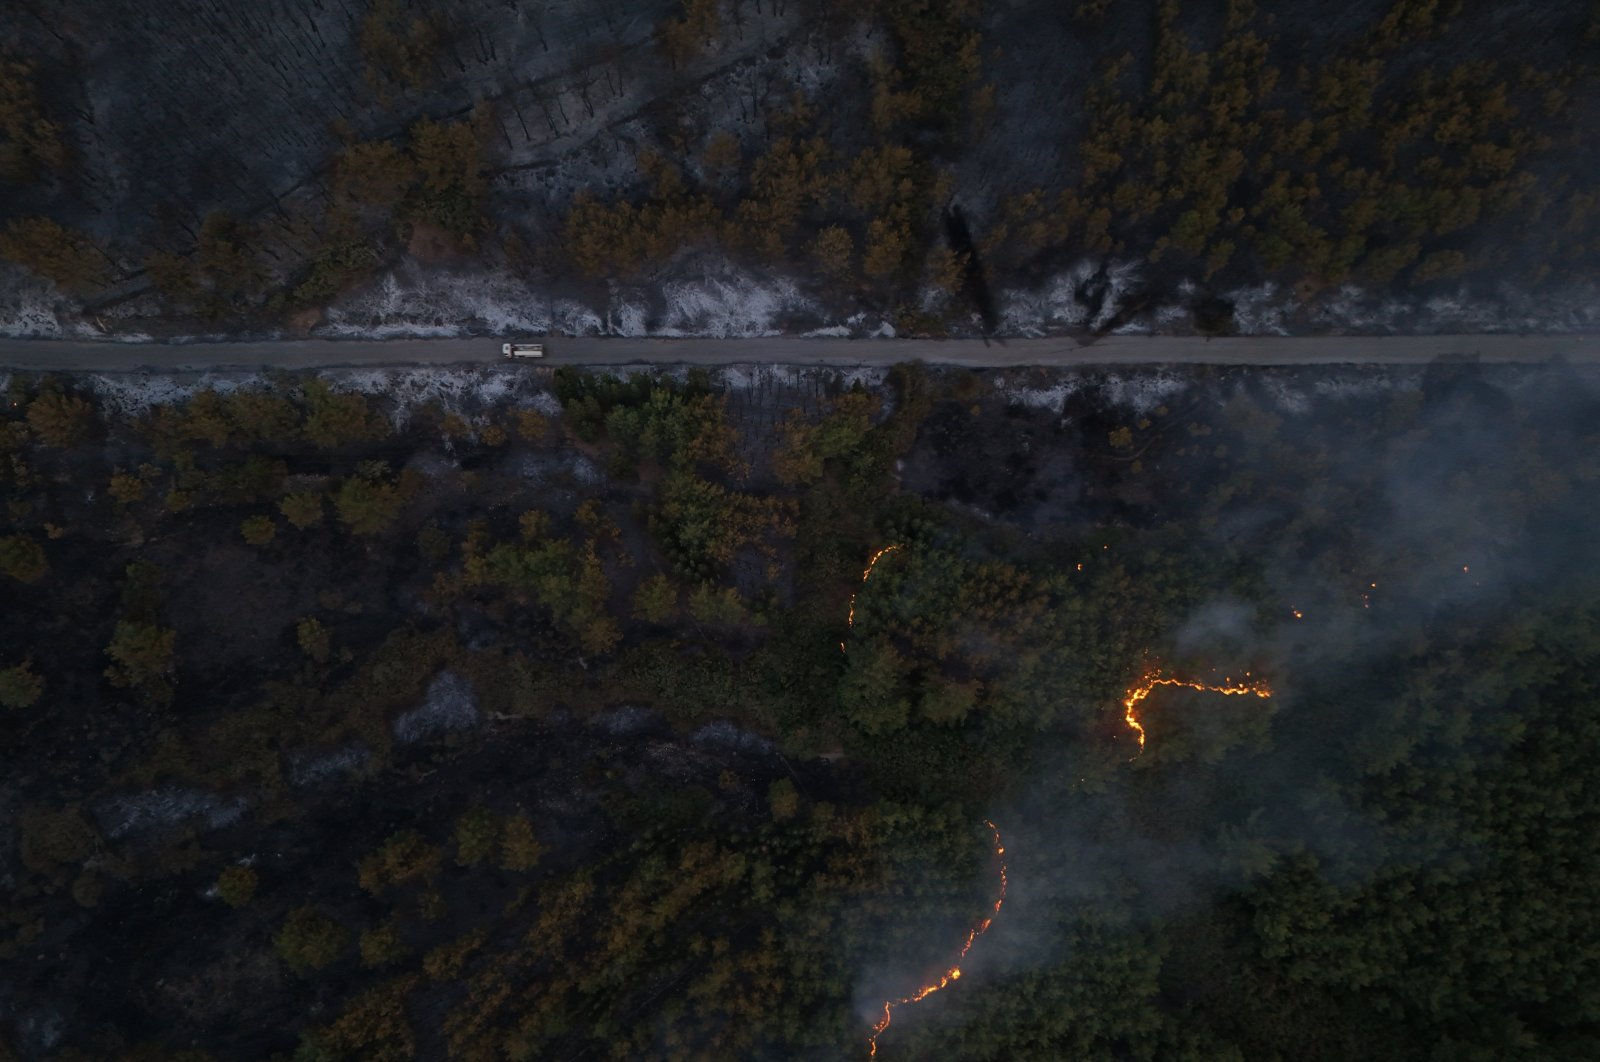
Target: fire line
(954,972)
(1146,685)
(850,621)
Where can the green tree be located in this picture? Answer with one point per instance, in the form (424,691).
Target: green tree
(375,174)
(126,488)
(19,686)
(872,688)
(368,507)
(338,418)
(141,658)
(258,530)
(31,145)
(23,559)
(62,255)
(717,607)
(519,848)
(313,638)
(236,885)
(302,508)
(834,252)
(58,419)
(783,799)
(381,946)
(656,600)
(309,940)
(404,857)
(947,702)
(477,836)
(261,416)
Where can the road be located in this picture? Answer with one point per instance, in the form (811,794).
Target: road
(789,350)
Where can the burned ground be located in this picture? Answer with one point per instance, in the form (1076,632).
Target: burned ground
(567,722)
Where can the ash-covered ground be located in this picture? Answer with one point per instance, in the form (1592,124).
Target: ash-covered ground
(1009,167)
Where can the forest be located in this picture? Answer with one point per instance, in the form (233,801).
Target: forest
(235,168)
(697,715)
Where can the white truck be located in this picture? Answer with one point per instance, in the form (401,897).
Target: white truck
(522,350)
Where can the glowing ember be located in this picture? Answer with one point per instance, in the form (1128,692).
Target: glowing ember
(1147,684)
(865,575)
(954,973)
(1297,613)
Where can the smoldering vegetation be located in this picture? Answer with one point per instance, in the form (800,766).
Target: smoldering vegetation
(733,167)
(427,715)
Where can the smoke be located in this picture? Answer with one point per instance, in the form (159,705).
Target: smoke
(1405,516)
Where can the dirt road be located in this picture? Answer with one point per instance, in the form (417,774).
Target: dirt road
(789,350)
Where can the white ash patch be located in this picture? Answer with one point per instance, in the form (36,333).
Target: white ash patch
(432,465)
(1285,394)
(39,1030)
(1260,310)
(542,401)
(542,468)
(866,377)
(743,377)
(165,808)
(416,301)
(307,768)
(1119,279)
(726,734)
(627,318)
(1167,316)
(627,720)
(1350,308)
(449,704)
(30,307)
(1029,313)
(1050,398)
(128,395)
(454,390)
(830,332)
(1142,392)
(731,305)
(1364,385)
(138,308)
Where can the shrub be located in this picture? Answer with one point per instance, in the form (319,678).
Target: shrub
(63,255)
(126,488)
(404,857)
(23,559)
(258,530)
(368,507)
(20,687)
(477,833)
(313,639)
(715,607)
(655,600)
(382,947)
(519,848)
(783,799)
(302,508)
(58,419)
(309,941)
(237,886)
(141,657)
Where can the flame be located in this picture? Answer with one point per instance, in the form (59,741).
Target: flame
(850,620)
(1146,685)
(865,575)
(1297,613)
(954,972)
